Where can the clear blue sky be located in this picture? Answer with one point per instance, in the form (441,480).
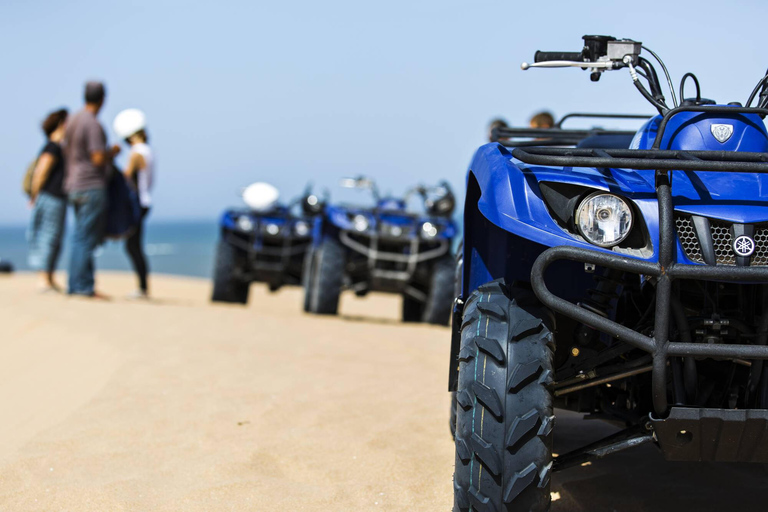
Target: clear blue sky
(289,91)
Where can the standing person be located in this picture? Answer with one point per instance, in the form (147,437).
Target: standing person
(131,125)
(49,200)
(87,160)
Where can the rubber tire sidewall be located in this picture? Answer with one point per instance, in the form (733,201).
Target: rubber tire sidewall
(226,286)
(326,277)
(505,414)
(437,309)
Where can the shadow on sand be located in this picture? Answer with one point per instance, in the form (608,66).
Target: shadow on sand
(372,320)
(639,480)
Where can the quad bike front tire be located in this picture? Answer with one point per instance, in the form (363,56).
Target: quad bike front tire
(326,275)
(437,309)
(504,403)
(227,287)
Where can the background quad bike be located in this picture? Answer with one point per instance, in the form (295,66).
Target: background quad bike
(265,246)
(619,331)
(385,248)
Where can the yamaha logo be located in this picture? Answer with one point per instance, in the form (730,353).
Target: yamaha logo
(744,246)
(721,132)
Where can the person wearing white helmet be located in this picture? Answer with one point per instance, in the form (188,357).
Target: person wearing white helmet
(131,126)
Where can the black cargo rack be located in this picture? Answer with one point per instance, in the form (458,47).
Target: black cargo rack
(645,159)
(592,115)
(558,136)
(667,269)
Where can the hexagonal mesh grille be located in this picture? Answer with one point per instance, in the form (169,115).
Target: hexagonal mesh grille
(760,257)
(688,239)
(721,240)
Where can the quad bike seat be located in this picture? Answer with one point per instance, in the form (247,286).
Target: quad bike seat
(606,141)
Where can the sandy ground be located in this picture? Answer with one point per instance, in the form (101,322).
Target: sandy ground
(178,404)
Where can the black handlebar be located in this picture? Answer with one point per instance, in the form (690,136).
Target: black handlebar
(547,56)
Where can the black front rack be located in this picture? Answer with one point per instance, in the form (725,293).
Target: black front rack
(645,159)
(559,136)
(525,137)
(592,115)
(667,269)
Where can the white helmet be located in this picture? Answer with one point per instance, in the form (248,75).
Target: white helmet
(260,196)
(128,122)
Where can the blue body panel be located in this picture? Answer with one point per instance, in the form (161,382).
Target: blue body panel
(280,217)
(339,217)
(510,198)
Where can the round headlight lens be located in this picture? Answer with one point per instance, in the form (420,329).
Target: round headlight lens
(360,223)
(301,228)
(390,230)
(272,229)
(244,223)
(604,219)
(428,230)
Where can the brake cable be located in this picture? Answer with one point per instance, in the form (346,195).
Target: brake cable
(662,108)
(666,74)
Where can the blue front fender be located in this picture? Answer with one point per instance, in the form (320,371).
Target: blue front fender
(511,200)
(510,196)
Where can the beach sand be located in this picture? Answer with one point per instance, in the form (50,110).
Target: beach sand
(180,405)
(177,404)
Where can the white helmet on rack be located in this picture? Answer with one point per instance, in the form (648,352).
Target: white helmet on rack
(128,122)
(260,196)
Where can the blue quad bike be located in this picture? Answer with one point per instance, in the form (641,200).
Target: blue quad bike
(620,275)
(267,245)
(385,248)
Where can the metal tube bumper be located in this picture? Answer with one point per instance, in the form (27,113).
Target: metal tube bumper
(374,254)
(658,346)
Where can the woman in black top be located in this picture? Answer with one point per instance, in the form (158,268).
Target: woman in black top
(49,202)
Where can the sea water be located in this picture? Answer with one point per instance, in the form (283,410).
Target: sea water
(182,248)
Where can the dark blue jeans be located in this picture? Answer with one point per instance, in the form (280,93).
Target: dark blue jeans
(90,213)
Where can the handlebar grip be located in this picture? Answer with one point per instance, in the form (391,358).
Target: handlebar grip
(547,56)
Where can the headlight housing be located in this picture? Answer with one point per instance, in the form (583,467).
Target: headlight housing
(360,222)
(428,230)
(391,230)
(604,219)
(301,228)
(244,223)
(271,228)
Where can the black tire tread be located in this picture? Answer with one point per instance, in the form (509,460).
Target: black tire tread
(226,286)
(437,308)
(326,277)
(504,404)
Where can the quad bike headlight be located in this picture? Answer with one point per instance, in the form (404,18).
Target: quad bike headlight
(244,223)
(272,229)
(391,230)
(360,223)
(604,219)
(428,230)
(301,228)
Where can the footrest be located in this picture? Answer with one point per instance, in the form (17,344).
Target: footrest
(721,435)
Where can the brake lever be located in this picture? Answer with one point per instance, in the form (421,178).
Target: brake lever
(607,64)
